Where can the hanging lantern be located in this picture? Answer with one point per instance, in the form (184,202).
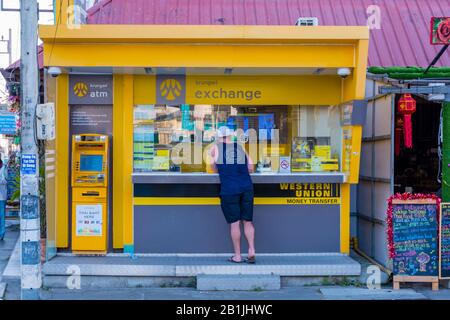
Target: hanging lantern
(406,107)
(398,135)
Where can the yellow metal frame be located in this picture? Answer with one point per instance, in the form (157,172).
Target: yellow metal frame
(62,162)
(345,218)
(120,33)
(122,46)
(123,160)
(62,11)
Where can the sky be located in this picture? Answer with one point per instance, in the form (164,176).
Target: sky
(11,20)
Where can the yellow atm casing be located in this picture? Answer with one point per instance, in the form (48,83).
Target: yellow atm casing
(89,193)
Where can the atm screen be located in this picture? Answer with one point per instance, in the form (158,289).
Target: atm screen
(91,162)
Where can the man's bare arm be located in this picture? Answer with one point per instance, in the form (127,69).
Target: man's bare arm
(250,164)
(213,154)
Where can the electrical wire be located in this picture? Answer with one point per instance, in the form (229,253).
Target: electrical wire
(36,142)
(39,75)
(56,31)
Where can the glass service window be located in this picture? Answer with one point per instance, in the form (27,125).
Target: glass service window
(177,138)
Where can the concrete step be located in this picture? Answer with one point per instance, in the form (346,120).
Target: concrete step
(118,270)
(192,265)
(224,282)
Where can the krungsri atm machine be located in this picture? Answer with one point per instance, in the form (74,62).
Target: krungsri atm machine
(89,193)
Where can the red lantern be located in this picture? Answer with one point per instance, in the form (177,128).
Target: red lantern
(406,107)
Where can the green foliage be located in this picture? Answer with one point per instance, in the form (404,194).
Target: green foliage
(410,76)
(411,73)
(192,283)
(410,70)
(258,289)
(16,194)
(342,282)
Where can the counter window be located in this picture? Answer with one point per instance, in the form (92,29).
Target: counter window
(177,138)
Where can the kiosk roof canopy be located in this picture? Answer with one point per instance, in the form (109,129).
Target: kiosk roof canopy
(401,40)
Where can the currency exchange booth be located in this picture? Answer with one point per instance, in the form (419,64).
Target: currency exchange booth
(292,94)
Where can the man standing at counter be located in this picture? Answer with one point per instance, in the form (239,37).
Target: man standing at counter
(236,191)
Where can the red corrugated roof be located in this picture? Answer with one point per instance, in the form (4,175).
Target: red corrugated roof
(16,64)
(402,40)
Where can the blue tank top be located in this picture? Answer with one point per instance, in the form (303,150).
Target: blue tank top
(232,168)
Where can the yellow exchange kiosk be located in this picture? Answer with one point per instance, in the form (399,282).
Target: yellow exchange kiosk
(89,193)
(150,87)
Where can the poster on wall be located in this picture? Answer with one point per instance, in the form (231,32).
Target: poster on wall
(143,138)
(440,31)
(89,220)
(266,122)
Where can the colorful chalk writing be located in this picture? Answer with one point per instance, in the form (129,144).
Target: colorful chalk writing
(445,240)
(415,231)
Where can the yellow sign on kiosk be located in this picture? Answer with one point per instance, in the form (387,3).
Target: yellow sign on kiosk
(89,193)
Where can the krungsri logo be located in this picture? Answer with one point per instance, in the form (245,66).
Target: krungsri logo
(80,89)
(170,89)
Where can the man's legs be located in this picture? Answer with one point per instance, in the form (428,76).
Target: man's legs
(247,218)
(249,231)
(236,238)
(2,218)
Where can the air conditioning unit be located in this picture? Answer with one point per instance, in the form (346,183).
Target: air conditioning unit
(307,21)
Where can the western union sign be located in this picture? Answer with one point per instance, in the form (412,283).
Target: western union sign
(315,190)
(298,193)
(265,194)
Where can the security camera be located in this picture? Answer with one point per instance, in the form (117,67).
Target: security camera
(343,72)
(54,71)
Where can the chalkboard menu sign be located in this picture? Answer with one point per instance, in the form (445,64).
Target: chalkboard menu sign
(444,252)
(415,237)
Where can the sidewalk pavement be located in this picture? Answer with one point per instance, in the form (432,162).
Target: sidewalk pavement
(11,281)
(288,293)
(6,248)
(414,292)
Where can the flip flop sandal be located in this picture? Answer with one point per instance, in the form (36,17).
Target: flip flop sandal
(234,261)
(251,260)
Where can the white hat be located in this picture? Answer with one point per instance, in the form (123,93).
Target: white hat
(224,131)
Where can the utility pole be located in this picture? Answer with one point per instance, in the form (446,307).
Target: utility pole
(31,279)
